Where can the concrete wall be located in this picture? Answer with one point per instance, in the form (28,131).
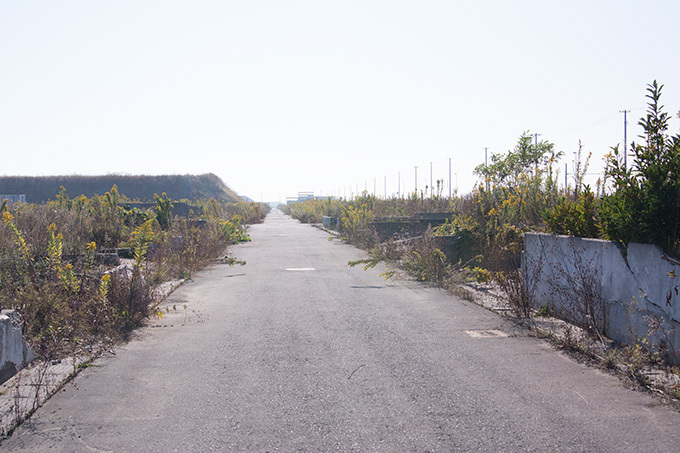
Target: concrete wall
(631,291)
(332,223)
(14,352)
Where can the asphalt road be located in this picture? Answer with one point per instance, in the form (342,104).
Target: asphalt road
(296,351)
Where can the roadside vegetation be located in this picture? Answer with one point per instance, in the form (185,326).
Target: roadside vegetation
(478,238)
(84,271)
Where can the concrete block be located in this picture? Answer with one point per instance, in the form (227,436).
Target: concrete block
(653,269)
(14,351)
(329,222)
(618,326)
(618,282)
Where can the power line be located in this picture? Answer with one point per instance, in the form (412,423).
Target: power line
(594,124)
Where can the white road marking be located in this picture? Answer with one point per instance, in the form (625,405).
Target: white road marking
(490,333)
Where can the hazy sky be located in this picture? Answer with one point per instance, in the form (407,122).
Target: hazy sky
(277,97)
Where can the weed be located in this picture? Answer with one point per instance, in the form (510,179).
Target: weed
(569,340)
(85,365)
(515,292)
(354,223)
(163,210)
(480,275)
(636,358)
(575,283)
(426,262)
(611,359)
(370,263)
(231,261)
(543,312)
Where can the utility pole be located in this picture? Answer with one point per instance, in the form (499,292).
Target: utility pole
(385,187)
(449,178)
(536,150)
(416,183)
(625,137)
(486,164)
(431,182)
(398,184)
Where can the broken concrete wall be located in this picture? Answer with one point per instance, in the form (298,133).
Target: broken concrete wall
(634,288)
(14,351)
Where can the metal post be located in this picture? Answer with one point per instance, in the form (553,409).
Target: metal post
(398,184)
(449,177)
(416,183)
(625,138)
(486,164)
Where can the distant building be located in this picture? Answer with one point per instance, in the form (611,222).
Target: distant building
(302,196)
(13,198)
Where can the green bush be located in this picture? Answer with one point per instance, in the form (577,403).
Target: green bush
(645,203)
(574,217)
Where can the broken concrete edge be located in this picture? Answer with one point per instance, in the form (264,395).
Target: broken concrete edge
(163,290)
(15,353)
(325,229)
(27,390)
(32,385)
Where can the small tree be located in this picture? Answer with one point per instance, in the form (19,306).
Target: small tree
(516,188)
(522,181)
(645,203)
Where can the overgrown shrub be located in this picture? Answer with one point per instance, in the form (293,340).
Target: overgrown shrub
(354,223)
(644,205)
(515,292)
(314,209)
(163,210)
(425,261)
(50,273)
(575,216)
(63,302)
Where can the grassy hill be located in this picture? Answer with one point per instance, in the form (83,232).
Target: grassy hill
(39,189)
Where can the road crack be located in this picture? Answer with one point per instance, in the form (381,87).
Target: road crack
(349,378)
